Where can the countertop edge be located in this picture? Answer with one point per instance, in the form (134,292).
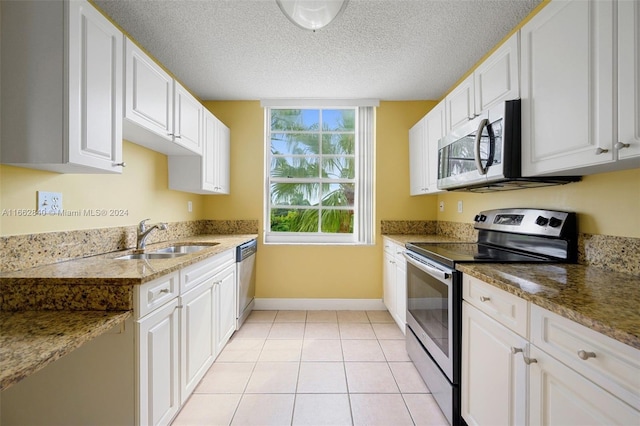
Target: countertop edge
(57,340)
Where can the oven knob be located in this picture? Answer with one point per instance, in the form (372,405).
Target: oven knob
(477,218)
(482,218)
(542,221)
(554,222)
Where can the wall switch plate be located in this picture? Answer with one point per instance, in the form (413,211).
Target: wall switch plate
(459,206)
(189,206)
(49,202)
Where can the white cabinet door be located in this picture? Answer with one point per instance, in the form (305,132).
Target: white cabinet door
(401,288)
(560,396)
(197,336)
(389,282)
(95,89)
(222,159)
(148,99)
(158,338)
(225,290)
(493,377)
(61,88)
(567,87)
(208,174)
(434,131)
(460,104)
(498,78)
(418,160)
(628,80)
(188,114)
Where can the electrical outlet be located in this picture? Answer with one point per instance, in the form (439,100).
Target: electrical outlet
(459,206)
(49,202)
(441,206)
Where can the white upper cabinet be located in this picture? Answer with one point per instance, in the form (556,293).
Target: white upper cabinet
(61,88)
(495,80)
(460,104)
(423,151)
(570,82)
(159,113)
(208,174)
(628,80)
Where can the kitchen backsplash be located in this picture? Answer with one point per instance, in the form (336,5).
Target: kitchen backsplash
(26,251)
(620,254)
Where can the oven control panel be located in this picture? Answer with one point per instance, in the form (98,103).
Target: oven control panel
(527,221)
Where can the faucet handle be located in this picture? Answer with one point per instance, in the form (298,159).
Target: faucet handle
(141,225)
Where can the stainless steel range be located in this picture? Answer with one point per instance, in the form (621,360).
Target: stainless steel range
(434,287)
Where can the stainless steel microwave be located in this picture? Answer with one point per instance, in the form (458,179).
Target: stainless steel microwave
(484,155)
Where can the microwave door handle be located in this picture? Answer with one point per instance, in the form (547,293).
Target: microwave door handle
(481,169)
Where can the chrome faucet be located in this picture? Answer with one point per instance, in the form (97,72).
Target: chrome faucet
(143,232)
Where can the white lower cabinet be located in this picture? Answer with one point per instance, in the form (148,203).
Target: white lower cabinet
(494,380)
(158,338)
(557,371)
(197,330)
(225,303)
(395,282)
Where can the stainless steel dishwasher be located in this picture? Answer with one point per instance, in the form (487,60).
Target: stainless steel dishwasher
(246,276)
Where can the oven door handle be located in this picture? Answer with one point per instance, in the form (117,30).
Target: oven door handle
(442,275)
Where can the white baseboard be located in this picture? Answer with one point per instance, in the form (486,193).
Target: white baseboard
(319,304)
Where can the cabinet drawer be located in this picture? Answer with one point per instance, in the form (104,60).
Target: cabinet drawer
(154,294)
(506,308)
(192,275)
(607,362)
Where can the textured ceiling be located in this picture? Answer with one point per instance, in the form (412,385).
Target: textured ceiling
(380,49)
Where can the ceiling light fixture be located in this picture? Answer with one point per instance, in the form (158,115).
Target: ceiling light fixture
(312,14)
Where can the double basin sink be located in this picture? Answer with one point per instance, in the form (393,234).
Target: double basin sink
(167,252)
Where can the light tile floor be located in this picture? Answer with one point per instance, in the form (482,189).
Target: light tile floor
(313,368)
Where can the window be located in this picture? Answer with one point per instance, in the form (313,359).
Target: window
(319,175)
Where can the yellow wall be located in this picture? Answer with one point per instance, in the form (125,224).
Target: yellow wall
(606,203)
(292,271)
(142,190)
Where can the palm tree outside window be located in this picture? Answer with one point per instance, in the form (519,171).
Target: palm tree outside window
(314,183)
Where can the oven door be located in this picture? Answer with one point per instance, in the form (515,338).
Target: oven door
(431,309)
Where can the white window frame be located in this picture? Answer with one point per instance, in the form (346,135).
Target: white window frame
(363,226)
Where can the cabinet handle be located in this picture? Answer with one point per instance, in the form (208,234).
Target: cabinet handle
(528,360)
(621,145)
(515,350)
(164,290)
(601,151)
(123,164)
(584,355)
(177,136)
(484,298)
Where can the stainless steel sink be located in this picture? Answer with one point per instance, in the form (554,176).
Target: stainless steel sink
(182,249)
(167,252)
(150,256)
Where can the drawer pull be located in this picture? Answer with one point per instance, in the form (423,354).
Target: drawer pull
(586,355)
(484,298)
(164,290)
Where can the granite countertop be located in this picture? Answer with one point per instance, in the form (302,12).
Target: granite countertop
(48,311)
(106,269)
(31,340)
(602,300)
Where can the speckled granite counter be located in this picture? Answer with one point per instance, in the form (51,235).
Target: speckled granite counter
(47,311)
(605,301)
(100,282)
(31,340)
